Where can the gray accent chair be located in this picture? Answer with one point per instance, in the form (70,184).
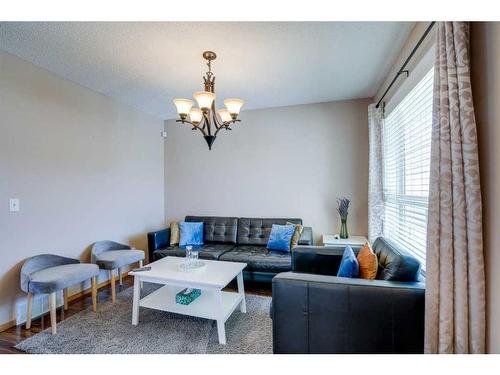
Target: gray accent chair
(49,274)
(112,256)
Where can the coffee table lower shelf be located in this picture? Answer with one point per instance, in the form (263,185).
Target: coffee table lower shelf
(211,304)
(205,306)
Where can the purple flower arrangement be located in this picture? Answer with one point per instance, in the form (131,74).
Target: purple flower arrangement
(343,207)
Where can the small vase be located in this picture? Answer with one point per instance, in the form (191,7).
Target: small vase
(343,229)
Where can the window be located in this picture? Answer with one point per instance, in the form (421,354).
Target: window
(406,165)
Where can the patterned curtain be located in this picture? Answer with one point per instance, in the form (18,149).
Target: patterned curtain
(455,285)
(375,185)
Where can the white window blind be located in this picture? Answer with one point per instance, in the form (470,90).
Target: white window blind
(406,165)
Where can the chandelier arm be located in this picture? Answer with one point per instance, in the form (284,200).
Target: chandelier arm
(216,120)
(217,131)
(199,127)
(207,122)
(195,126)
(217,124)
(227,124)
(201,130)
(222,126)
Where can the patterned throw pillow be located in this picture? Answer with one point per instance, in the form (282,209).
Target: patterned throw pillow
(368,262)
(349,266)
(174,234)
(296,235)
(280,237)
(191,234)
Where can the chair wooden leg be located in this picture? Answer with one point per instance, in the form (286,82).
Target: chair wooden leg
(112,281)
(120,276)
(141,263)
(94,294)
(52,307)
(29,305)
(65,298)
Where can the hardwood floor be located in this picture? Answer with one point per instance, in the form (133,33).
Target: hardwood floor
(10,337)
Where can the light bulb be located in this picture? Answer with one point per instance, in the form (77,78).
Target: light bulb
(224,115)
(233,106)
(195,115)
(183,107)
(204,99)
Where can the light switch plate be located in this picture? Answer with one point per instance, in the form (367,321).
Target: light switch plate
(13,204)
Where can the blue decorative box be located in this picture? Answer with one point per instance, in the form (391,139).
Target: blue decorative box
(186,296)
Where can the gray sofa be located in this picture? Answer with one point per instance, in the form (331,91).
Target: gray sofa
(316,312)
(237,240)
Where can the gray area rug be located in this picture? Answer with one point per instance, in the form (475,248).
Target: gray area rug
(110,331)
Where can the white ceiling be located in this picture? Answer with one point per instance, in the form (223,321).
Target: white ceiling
(268,64)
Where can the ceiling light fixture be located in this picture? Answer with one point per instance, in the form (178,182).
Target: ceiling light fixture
(206,118)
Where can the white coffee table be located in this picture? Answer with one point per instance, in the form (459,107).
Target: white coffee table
(213,303)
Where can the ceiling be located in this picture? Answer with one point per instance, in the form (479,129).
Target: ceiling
(268,64)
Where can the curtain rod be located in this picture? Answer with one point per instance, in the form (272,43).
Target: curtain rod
(402,69)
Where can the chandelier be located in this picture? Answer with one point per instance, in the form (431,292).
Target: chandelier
(206,118)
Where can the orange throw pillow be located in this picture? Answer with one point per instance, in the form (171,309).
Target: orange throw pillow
(368,262)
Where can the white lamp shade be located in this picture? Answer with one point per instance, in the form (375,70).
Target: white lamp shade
(195,115)
(224,115)
(183,106)
(233,105)
(204,99)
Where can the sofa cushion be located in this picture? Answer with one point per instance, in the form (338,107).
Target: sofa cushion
(368,263)
(175,234)
(256,231)
(394,263)
(281,237)
(211,251)
(191,234)
(349,266)
(57,278)
(114,259)
(217,229)
(299,228)
(171,251)
(40,262)
(258,258)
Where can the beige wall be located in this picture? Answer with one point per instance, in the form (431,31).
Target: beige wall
(485,44)
(84,167)
(280,162)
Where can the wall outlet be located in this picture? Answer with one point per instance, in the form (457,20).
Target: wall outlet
(13,204)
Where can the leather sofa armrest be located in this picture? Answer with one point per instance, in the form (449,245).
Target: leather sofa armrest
(158,240)
(329,314)
(415,286)
(306,238)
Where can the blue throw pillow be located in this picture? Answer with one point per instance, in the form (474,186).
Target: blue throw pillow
(280,238)
(349,266)
(191,234)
